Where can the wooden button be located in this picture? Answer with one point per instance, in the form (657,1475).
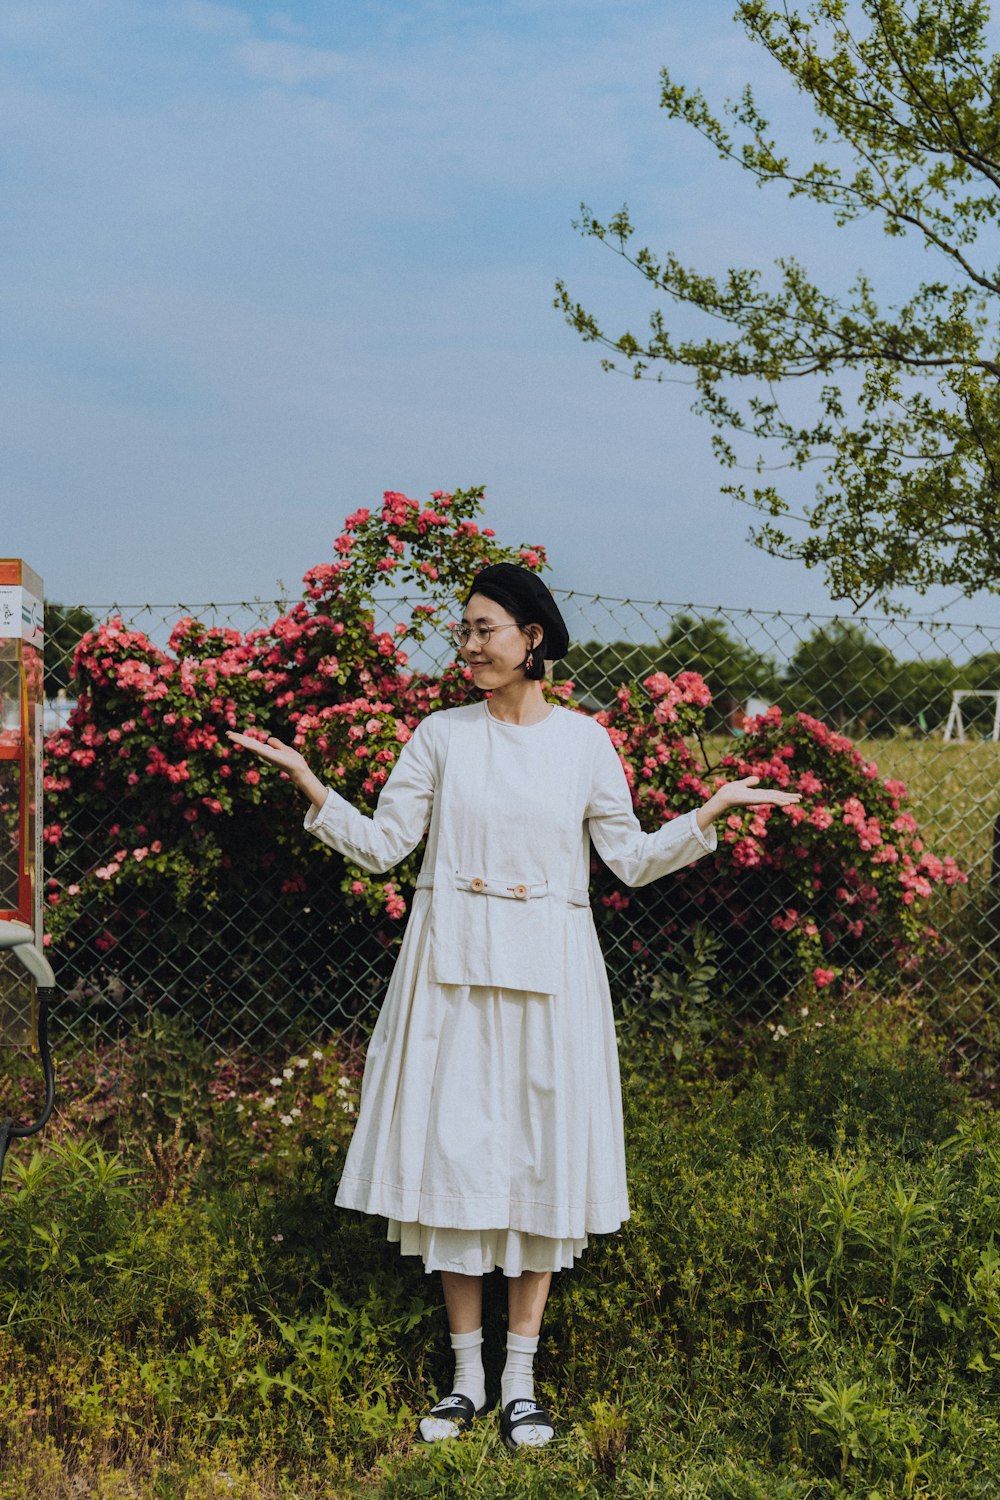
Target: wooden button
(520,891)
(477,885)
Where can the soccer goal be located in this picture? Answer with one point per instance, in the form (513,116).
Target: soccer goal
(955,727)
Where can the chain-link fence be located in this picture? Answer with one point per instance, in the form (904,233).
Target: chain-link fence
(920,698)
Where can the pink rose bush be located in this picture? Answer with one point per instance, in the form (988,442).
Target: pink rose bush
(176,858)
(848,860)
(161,834)
(838,882)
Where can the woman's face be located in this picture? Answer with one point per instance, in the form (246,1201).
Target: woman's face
(499,661)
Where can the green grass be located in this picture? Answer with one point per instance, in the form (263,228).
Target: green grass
(805,1302)
(954,793)
(955,797)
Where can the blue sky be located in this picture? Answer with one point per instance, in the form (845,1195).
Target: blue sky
(262,264)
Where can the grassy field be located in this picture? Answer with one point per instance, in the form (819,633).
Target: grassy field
(954,793)
(803,1306)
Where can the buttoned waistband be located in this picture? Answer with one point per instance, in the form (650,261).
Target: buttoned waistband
(510,890)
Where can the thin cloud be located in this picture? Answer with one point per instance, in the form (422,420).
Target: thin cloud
(482,108)
(213,19)
(285,25)
(290,63)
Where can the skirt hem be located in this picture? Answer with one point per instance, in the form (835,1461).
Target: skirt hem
(478,1252)
(550,1221)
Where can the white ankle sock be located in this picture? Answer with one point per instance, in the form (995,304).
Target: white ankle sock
(469,1378)
(517,1383)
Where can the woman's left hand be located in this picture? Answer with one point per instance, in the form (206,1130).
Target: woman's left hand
(743,793)
(747,793)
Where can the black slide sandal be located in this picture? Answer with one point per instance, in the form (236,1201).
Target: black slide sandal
(523,1413)
(455,1408)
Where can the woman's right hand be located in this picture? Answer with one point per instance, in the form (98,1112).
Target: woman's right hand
(287,759)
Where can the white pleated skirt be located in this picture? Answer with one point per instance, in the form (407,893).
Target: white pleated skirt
(490,1127)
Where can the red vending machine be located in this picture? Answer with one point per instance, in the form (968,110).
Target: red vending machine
(25,975)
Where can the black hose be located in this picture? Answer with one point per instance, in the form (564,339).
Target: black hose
(8,1129)
(5,1128)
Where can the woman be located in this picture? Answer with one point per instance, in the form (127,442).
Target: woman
(490,1127)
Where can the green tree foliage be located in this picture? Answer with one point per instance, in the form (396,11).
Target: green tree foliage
(840,673)
(65,627)
(906,417)
(982,672)
(596,670)
(843,675)
(731,668)
(926,693)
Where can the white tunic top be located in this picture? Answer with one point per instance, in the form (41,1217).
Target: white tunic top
(491,1115)
(510,812)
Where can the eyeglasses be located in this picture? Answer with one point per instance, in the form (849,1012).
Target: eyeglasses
(463,634)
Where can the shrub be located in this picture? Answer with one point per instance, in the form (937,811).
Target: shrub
(798,894)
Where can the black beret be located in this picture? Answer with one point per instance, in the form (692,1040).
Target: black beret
(523,595)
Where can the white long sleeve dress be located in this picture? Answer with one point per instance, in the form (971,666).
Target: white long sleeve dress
(490,1126)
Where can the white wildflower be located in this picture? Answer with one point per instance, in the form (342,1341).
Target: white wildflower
(267,1103)
(286,1119)
(275,1083)
(317,1054)
(287,1073)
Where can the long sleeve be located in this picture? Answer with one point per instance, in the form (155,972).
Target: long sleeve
(401,816)
(634,856)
